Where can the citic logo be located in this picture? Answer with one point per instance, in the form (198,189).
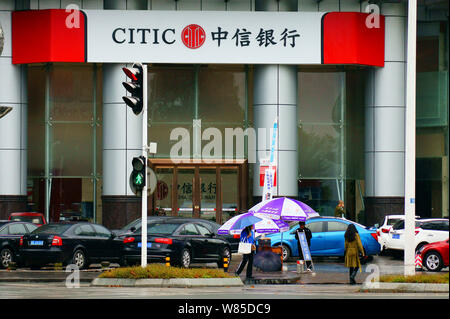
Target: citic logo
(193,36)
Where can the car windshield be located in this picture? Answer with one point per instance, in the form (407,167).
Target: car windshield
(52,229)
(30,219)
(160,228)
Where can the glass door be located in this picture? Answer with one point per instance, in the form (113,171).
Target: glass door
(208,196)
(163,192)
(185,190)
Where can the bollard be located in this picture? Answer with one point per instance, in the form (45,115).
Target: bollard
(225,264)
(168,261)
(300,266)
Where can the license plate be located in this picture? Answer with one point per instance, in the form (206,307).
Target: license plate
(148,245)
(395,236)
(36,243)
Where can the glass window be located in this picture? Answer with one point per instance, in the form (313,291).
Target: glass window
(189,230)
(31,227)
(319,150)
(203,230)
(52,229)
(337,226)
(4,230)
(84,230)
(315,227)
(171,94)
(17,229)
(71,92)
(161,228)
(101,231)
(221,93)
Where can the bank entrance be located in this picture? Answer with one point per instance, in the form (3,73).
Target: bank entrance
(201,189)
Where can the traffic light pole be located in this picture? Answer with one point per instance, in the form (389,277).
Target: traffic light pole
(144,153)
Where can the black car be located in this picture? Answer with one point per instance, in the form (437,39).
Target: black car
(70,243)
(212,226)
(10,234)
(184,240)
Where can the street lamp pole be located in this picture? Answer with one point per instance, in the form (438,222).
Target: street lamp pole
(410,141)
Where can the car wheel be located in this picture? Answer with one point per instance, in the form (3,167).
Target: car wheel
(185,258)
(79,259)
(433,261)
(286,252)
(7,258)
(226,253)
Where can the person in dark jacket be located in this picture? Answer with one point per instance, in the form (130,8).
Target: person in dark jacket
(302,228)
(353,247)
(247,236)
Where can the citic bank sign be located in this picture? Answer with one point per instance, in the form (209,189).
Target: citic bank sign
(198,37)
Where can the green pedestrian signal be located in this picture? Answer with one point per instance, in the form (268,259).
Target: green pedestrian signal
(137,177)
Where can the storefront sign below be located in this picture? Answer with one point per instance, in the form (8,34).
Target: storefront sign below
(117,36)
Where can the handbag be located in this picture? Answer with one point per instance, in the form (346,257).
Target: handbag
(244,248)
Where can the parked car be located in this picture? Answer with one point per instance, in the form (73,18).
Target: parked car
(385,226)
(80,243)
(435,256)
(10,234)
(327,238)
(426,231)
(30,217)
(184,240)
(212,226)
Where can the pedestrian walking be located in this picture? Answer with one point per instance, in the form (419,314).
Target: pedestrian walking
(302,228)
(339,211)
(353,247)
(247,236)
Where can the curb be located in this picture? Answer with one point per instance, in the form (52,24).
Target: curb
(168,283)
(403,287)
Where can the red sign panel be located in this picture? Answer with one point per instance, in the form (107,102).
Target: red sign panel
(262,173)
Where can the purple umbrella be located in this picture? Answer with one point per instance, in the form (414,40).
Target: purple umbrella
(236,224)
(284,208)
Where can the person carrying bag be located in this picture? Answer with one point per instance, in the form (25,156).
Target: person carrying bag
(353,247)
(247,248)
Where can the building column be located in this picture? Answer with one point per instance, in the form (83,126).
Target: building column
(275,95)
(13,126)
(385,122)
(122,140)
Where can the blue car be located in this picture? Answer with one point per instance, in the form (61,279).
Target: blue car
(327,238)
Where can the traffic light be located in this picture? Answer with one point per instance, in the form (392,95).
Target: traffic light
(138,175)
(135,87)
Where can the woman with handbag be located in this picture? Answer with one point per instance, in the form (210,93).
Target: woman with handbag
(353,247)
(247,248)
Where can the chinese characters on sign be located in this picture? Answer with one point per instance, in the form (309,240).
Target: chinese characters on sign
(242,37)
(208,190)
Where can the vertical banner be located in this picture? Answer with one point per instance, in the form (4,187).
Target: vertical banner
(270,172)
(305,247)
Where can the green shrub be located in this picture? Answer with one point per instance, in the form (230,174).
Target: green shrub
(163,272)
(419,278)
